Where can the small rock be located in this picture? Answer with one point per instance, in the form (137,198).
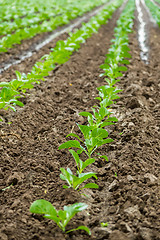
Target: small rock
(145,233)
(9,228)
(130,178)
(124,124)
(125,227)
(150,178)
(133,212)
(1,173)
(146,224)
(24,220)
(153,215)
(15,203)
(3,236)
(133,103)
(102,233)
(131,125)
(117,235)
(112,209)
(145,196)
(113,186)
(15,178)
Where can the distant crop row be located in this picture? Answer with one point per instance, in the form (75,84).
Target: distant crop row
(43,21)
(155,11)
(94,134)
(15,89)
(12,10)
(158,1)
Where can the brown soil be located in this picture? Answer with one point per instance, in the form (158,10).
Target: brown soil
(30,159)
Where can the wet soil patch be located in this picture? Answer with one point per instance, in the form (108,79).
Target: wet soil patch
(128,184)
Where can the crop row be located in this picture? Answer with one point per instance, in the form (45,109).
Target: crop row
(32,28)
(32,19)
(16,88)
(158,1)
(12,10)
(94,134)
(155,11)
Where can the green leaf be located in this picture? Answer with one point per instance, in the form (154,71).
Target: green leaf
(18,75)
(106,123)
(122,68)
(105,157)
(99,133)
(65,186)
(103,112)
(11,107)
(90,185)
(76,207)
(74,135)
(2,104)
(69,144)
(42,206)
(76,157)
(112,119)
(85,114)
(85,130)
(62,214)
(109,140)
(81,228)
(85,176)
(87,163)
(125,62)
(104,224)
(4,84)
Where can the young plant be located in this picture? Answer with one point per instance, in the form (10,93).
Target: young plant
(94,138)
(75,181)
(94,133)
(61,217)
(80,164)
(60,54)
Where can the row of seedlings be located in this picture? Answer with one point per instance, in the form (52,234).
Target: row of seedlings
(51,9)
(28,32)
(155,11)
(94,133)
(11,10)
(16,88)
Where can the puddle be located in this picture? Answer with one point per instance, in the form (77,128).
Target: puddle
(142,33)
(27,54)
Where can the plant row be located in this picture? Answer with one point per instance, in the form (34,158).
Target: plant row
(155,11)
(94,134)
(28,32)
(12,10)
(32,19)
(15,89)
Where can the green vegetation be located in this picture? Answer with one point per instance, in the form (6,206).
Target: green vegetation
(155,11)
(16,88)
(61,217)
(94,134)
(46,21)
(75,181)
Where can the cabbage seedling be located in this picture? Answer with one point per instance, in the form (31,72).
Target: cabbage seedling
(80,164)
(61,217)
(75,181)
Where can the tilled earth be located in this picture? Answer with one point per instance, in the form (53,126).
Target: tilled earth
(127,198)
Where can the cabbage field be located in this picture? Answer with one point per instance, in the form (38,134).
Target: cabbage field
(79,119)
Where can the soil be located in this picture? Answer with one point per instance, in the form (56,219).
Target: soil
(127,198)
